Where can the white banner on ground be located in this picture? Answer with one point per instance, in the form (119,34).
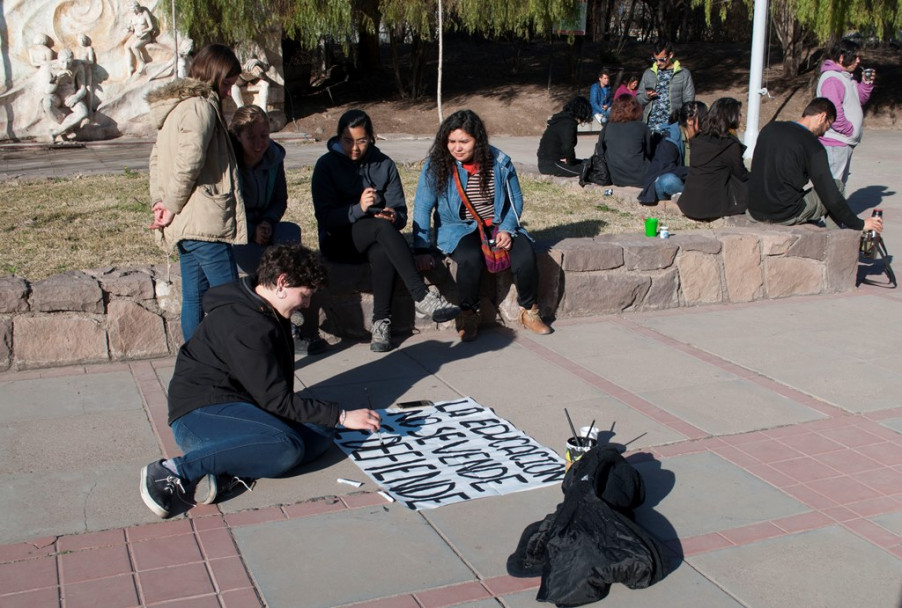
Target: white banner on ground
(453,451)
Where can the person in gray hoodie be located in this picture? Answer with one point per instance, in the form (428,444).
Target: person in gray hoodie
(837,84)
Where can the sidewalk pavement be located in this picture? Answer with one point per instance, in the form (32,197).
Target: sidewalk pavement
(769,436)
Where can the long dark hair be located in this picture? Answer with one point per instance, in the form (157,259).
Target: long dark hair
(691,109)
(440,159)
(722,117)
(353,119)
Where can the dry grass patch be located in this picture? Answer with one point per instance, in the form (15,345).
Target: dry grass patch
(54,225)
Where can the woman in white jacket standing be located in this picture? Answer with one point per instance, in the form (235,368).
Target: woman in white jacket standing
(197,204)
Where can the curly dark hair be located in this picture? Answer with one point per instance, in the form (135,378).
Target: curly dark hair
(579,108)
(440,160)
(722,117)
(301,266)
(625,109)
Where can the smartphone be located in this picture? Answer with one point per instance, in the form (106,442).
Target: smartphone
(407,405)
(374,210)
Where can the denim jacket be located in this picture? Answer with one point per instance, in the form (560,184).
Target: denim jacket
(447,204)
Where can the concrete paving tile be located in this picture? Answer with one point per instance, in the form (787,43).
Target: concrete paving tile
(92,540)
(855,386)
(727,407)
(360,365)
(164,552)
(27,550)
(801,570)
(486,531)
(438,354)
(217,543)
(589,339)
(398,601)
(29,599)
(848,462)
(769,450)
(650,368)
(805,469)
(535,384)
(314,480)
(384,393)
(682,588)
(390,549)
(159,529)
(887,453)
(95,563)
(78,442)
(894,424)
(81,501)
(701,493)
(186,580)
(114,592)
(242,598)
(812,443)
(230,574)
(876,506)
(470,594)
(873,532)
(890,521)
(42,399)
(28,574)
(547,423)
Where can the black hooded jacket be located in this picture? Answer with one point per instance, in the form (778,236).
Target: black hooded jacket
(717,184)
(591,541)
(559,140)
(242,351)
(338,182)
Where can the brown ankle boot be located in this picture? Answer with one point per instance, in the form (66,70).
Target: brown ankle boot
(531,320)
(467,325)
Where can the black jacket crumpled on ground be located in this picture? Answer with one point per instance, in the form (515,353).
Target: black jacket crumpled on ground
(591,540)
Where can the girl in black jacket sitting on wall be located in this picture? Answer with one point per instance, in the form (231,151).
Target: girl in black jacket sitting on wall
(557,148)
(717,184)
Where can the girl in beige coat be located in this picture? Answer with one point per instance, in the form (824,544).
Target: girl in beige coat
(197,204)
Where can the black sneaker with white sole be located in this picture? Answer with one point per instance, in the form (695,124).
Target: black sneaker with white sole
(159,486)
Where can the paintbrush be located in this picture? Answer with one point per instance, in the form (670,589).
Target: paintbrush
(576,436)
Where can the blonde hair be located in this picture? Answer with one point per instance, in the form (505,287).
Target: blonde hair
(244,117)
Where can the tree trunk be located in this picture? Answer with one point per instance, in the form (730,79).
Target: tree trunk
(368,36)
(791,35)
(393,36)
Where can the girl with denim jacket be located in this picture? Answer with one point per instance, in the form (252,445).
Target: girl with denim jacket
(489,179)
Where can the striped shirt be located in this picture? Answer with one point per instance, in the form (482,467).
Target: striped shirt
(484,204)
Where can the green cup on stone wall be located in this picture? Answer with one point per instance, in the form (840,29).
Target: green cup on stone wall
(651,226)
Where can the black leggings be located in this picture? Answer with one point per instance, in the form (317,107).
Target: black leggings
(377,241)
(471,264)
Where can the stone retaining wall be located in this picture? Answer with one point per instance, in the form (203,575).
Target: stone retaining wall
(120,314)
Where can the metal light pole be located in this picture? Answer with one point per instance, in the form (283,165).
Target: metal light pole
(756,70)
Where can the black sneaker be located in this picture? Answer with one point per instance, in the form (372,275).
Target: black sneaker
(381,341)
(158,486)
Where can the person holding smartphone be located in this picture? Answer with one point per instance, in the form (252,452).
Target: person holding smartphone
(665,86)
(360,209)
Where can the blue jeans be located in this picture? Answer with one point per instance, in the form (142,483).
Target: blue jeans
(243,440)
(667,185)
(247,257)
(204,265)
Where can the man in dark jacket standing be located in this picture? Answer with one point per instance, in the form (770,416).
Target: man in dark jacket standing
(232,405)
(788,155)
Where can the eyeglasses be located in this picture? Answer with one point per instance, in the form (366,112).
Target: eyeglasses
(664,59)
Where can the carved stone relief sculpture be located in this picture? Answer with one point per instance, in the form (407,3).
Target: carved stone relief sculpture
(141,28)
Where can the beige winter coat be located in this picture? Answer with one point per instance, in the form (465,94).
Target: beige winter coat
(193,169)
